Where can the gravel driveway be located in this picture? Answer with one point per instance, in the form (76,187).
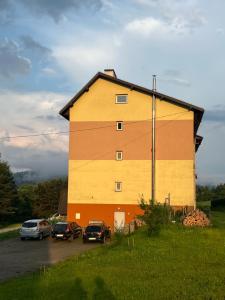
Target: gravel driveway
(18,257)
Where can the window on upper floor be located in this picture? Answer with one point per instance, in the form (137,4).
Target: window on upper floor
(118,186)
(119,125)
(119,155)
(121,99)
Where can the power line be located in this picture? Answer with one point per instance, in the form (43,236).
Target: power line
(98,156)
(85,129)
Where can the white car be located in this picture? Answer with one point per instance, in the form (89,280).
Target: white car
(37,228)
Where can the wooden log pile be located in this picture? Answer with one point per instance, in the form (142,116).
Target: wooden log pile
(196,218)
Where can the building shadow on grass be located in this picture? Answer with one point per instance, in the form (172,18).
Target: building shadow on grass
(101,291)
(77,291)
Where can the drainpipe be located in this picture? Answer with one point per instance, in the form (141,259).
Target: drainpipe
(153,137)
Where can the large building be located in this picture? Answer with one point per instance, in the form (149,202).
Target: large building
(110,150)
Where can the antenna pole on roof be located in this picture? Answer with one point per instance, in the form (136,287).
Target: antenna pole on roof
(153,136)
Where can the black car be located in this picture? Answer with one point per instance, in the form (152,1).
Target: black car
(96,232)
(65,230)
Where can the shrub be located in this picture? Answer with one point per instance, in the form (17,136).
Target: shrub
(155,215)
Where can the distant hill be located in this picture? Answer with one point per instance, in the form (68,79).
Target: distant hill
(28,176)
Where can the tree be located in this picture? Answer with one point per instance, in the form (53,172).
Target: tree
(48,195)
(204,193)
(155,215)
(8,193)
(27,197)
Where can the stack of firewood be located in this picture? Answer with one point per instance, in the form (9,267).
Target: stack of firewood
(196,218)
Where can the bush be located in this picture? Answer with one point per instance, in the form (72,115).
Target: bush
(218,204)
(155,216)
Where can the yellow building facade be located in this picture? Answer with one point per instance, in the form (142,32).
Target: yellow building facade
(110,150)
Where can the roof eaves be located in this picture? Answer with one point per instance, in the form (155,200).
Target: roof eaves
(198,110)
(198,141)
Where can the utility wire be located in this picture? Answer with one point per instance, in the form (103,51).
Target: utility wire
(85,129)
(98,156)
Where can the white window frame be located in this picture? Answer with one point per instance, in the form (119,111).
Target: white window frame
(117,102)
(119,155)
(118,189)
(117,125)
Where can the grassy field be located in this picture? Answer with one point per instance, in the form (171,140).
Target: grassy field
(180,263)
(9,235)
(9,226)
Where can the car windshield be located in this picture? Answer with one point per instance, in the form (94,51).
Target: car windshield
(93,229)
(60,227)
(29,224)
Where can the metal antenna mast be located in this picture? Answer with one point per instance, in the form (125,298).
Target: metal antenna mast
(153,136)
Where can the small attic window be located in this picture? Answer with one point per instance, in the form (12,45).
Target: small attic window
(121,99)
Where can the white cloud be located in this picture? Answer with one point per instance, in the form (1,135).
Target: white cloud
(151,3)
(17,170)
(147,26)
(28,106)
(78,61)
(220,31)
(176,80)
(174,18)
(48,71)
(11,62)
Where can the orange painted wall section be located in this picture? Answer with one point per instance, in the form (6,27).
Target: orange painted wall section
(101,212)
(105,212)
(100,140)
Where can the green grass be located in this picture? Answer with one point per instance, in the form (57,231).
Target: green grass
(9,235)
(3,226)
(203,204)
(218,218)
(181,263)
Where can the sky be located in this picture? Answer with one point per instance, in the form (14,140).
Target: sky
(50,49)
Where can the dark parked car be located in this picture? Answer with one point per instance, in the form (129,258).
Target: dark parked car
(65,230)
(96,232)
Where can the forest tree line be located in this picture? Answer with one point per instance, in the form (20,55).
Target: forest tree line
(210,193)
(40,200)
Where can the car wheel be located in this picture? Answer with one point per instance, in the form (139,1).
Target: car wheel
(41,236)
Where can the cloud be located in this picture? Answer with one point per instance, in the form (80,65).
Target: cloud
(78,61)
(10,9)
(174,17)
(30,44)
(151,26)
(57,9)
(151,3)
(24,127)
(44,163)
(220,31)
(177,81)
(48,71)
(147,26)
(6,11)
(50,117)
(215,115)
(28,106)
(174,77)
(11,61)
